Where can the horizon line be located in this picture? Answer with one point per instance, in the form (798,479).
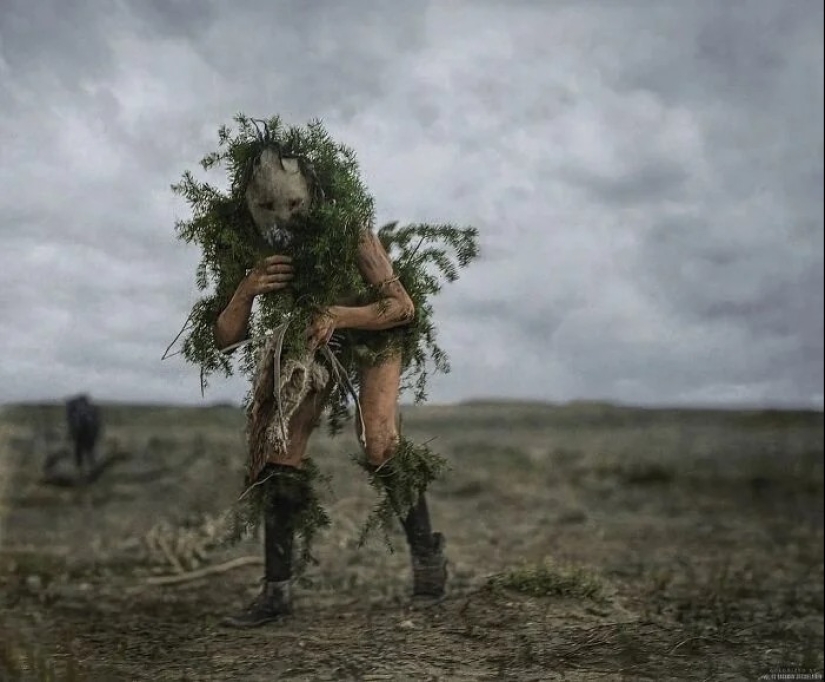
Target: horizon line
(469,402)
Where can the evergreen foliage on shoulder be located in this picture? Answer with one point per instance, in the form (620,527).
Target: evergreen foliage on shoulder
(324,252)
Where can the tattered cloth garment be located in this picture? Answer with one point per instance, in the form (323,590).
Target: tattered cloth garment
(279,387)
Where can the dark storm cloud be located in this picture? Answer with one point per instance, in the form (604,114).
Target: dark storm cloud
(647,178)
(651,181)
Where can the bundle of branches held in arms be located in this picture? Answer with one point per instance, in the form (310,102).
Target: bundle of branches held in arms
(323,248)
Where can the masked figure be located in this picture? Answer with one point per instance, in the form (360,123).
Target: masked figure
(327,318)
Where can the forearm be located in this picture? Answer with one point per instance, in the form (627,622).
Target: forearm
(385,314)
(232,324)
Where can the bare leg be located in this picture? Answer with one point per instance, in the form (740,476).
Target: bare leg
(380,385)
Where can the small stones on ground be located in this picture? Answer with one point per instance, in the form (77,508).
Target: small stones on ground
(34,583)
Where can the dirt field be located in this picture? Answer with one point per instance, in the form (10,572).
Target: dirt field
(586,542)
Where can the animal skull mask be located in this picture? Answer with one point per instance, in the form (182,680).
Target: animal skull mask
(278,191)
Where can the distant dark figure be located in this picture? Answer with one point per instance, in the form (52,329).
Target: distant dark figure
(83,418)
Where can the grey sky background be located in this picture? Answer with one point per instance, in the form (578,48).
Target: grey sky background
(647,178)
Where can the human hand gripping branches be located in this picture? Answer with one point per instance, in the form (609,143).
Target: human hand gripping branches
(276,273)
(321,328)
(272,274)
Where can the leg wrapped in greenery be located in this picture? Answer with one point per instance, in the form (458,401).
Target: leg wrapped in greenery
(286,500)
(401,483)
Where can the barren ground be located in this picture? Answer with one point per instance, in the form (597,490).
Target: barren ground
(587,542)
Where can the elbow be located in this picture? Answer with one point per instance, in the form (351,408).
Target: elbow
(226,339)
(219,336)
(406,311)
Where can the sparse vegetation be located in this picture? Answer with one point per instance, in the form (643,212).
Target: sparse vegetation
(687,545)
(550,580)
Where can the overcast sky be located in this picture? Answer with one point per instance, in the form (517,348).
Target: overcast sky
(647,177)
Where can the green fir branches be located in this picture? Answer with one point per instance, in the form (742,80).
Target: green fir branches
(301,488)
(398,482)
(324,254)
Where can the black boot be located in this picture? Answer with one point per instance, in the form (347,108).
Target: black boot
(429,564)
(274,602)
(285,494)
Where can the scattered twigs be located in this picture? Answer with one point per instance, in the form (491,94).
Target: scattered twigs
(204,572)
(163,546)
(186,326)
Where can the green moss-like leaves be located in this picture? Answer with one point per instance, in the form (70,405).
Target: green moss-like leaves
(324,253)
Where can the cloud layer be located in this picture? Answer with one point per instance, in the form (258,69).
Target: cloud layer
(647,179)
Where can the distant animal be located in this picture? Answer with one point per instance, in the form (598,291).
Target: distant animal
(83,418)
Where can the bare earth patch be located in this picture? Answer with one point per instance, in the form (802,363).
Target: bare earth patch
(587,542)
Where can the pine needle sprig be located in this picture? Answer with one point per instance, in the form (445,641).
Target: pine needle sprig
(398,482)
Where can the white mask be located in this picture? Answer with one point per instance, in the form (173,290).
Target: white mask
(277,192)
